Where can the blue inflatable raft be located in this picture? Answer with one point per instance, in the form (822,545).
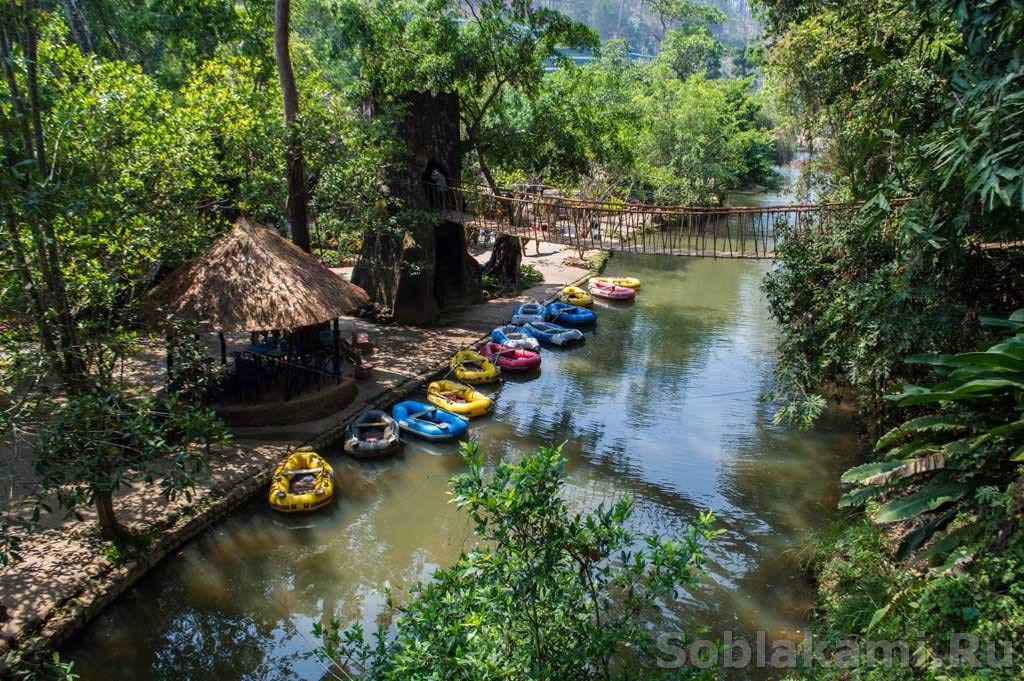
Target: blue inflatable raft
(554,334)
(512,336)
(570,315)
(428,422)
(528,312)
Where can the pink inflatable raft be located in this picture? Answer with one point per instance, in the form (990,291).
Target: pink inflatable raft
(610,291)
(510,359)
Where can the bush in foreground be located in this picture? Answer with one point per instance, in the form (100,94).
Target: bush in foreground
(546,594)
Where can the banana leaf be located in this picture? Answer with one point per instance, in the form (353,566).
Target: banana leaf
(968,390)
(990,360)
(950,541)
(1013,347)
(1008,429)
(860,496)
(930,497)
(867,470)
(926,464)
(916,539)
(1018,454)
(921,424)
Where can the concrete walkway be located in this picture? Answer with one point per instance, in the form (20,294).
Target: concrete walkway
(67,574)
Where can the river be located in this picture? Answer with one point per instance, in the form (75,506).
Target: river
(663,402)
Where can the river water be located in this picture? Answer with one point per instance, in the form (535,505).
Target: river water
(663,402)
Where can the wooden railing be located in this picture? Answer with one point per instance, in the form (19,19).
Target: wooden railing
(720,232)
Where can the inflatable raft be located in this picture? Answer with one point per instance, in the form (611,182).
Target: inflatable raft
(305,482)
(574,295)
(428,421)
(469,366)
(624,282)
(372,435)
(571,315)
(512,336)
(611,292)
(511,359)
(554,334)
(458,398)
(528,312)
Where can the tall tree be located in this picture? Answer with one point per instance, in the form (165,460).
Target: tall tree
(293,155)
(57,329)
(77,25)
(85,171)
(512,41)
(684,12)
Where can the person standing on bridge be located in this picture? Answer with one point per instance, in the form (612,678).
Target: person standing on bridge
(439,180)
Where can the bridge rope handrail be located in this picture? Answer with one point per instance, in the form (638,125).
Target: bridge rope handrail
(614,205)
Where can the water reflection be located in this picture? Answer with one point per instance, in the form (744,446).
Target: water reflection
(662,403)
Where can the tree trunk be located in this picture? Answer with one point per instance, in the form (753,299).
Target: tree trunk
(109,527)
(68,362)
(507,254)
(293,154)
(379,265)
(504,262)
(79,29)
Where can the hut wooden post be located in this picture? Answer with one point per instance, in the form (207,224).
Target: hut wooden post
(170,354)
(288,381)
(289,338)
(223,348)
(336,328)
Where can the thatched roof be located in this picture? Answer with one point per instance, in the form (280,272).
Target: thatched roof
(251,279)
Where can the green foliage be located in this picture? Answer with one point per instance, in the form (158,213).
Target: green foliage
(868,592)
(887,284)
(529,276)
(34,661)
(157,132)
(969,445)
(703,139)
(546,594)
(911,99)
(981,140)
(597,262)
(168,40)
(95,442)
(953,477)
(689,54)
(850,311)
(632,129)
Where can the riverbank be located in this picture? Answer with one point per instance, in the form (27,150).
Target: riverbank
(68,574)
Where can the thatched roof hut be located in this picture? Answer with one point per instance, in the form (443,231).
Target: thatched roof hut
(251,279)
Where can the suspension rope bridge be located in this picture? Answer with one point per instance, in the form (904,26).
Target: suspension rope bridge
(751,232)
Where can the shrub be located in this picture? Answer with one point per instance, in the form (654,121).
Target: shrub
(547,593)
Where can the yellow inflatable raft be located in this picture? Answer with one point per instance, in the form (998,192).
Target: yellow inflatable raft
(304,482)
(458,398)
(573,295)
(470,366)
(626,282)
